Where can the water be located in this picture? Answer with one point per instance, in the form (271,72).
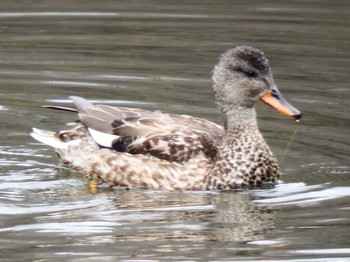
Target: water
(158,55)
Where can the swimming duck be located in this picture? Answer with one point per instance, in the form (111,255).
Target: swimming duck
(133,147)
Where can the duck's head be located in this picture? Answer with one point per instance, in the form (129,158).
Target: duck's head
(242,77)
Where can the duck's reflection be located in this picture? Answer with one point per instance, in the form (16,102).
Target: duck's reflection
(190,216)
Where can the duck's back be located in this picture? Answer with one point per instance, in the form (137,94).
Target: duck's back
(175,138)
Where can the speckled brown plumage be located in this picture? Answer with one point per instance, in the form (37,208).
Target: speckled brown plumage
(138,148)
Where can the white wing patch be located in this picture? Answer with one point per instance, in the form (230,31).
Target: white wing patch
(102,139)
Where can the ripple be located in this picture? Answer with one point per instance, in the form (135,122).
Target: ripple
(20,152)
(152,78)
(265,242)
(102,101)
(34,185)
(295,194)
(21,209)
(20,163)
(322,251)
(81,227)
(333,259)
(98,14)
(72,83)
(57,14)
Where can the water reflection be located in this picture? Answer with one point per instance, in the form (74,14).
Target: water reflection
(230,217)
(224,217)
(183,221)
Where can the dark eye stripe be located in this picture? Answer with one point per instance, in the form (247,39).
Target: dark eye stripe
(249,73)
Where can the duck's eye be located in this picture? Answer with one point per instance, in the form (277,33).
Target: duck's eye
(250,73)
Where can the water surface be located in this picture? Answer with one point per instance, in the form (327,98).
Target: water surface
(158,56)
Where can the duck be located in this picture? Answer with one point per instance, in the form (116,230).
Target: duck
(137,148)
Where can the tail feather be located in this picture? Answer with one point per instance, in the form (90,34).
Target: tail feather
(48,138)
(62,108)
(81,103)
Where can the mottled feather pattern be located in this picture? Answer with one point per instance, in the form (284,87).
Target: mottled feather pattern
(248,159)
(124,169)
(133,147)
(170,137)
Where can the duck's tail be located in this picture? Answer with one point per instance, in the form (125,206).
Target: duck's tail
(49,138)
(80,103)
(63,140)
(74,147)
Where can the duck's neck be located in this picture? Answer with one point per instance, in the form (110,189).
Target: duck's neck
(238,119)
(244,157)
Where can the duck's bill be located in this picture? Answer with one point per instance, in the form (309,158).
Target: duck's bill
(274,98)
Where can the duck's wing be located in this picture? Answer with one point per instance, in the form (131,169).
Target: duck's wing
(174,137)
(137,131)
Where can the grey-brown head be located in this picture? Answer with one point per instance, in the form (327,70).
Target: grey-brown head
(243,76)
